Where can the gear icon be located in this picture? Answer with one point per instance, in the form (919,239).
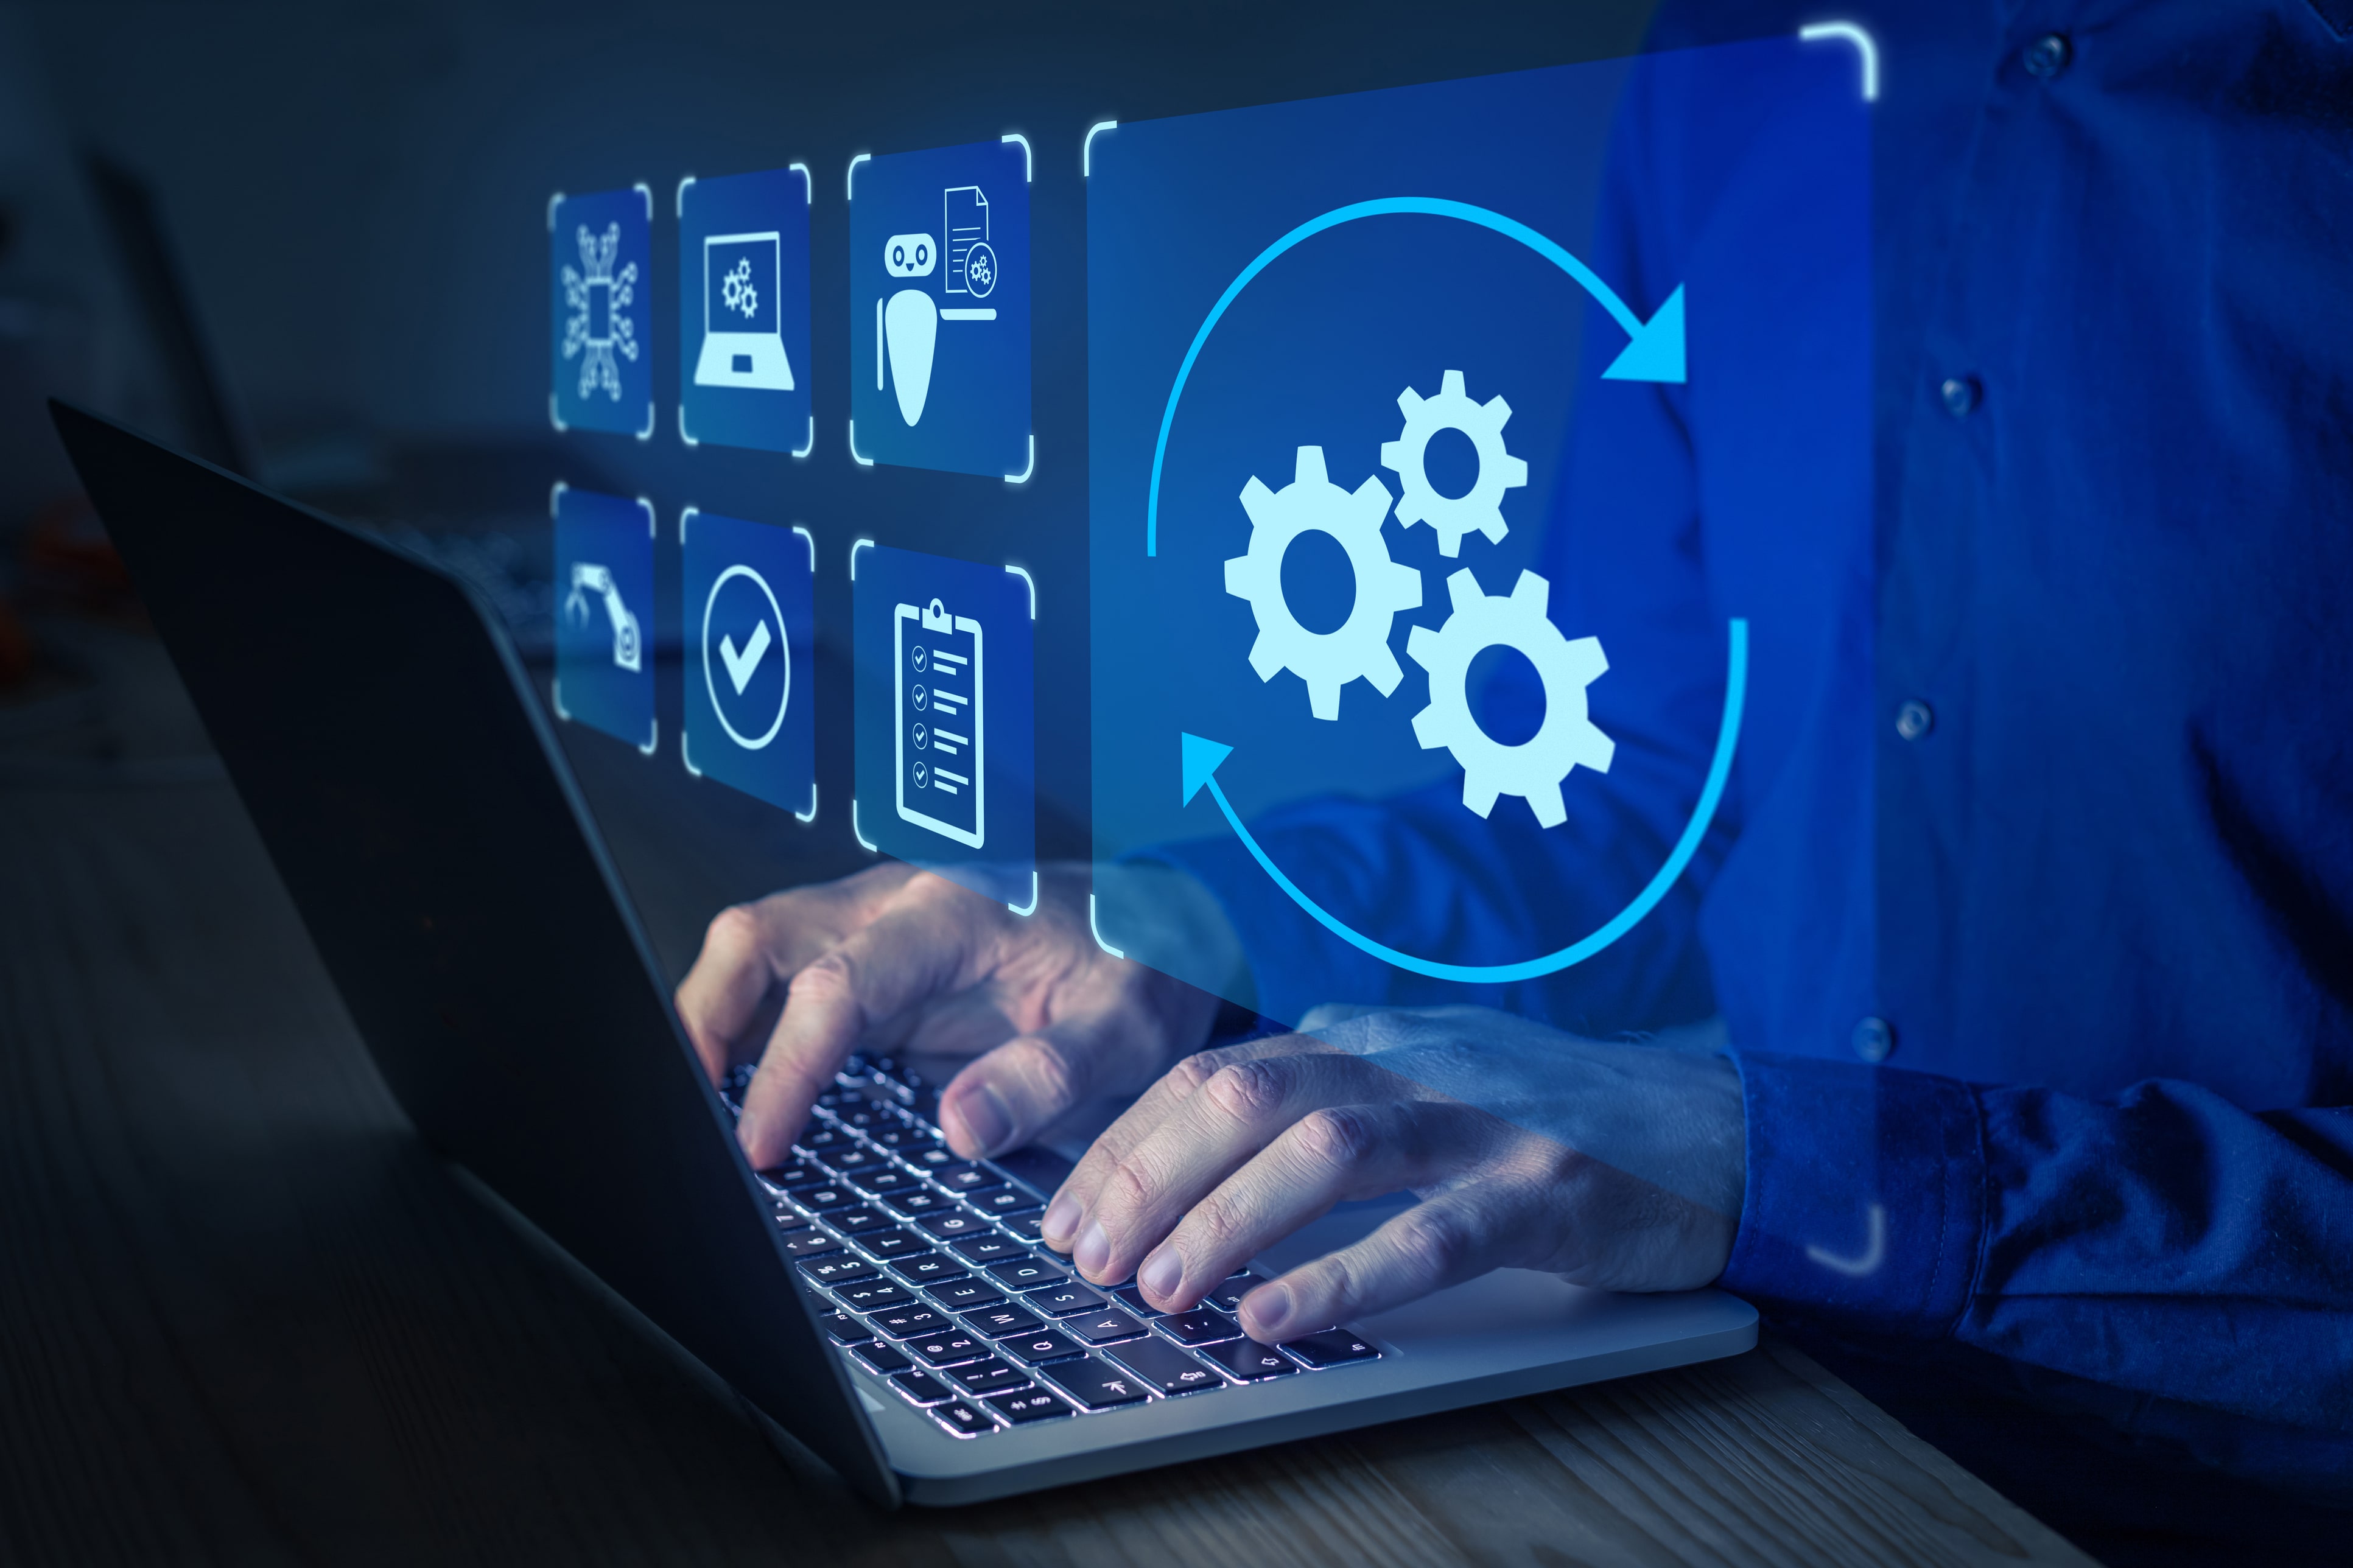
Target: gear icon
(1533,769)
(735,289)
(1360,647)
(1480,508)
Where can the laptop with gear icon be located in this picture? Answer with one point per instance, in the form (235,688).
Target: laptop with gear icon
(742,332)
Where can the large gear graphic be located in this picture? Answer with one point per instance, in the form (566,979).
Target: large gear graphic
(1360,647)
(1533,769)
(1480,508)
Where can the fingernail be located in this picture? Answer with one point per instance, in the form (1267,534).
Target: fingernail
(747,1129)
(1094,1250)
(1162,1274)
(1268,1308)
(1061,1217)
(985,1120)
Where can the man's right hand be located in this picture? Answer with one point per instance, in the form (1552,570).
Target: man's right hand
(909,961)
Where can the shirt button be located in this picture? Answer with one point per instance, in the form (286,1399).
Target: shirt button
(1914,719)
(2047,56)
(1874,1038)
(1960,394)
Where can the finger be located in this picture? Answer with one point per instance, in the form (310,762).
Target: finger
(1180,1083)
(929,941)
(1003,1098)
(1241,1109)
(1331,1155)
(1454,1236)
(724,991)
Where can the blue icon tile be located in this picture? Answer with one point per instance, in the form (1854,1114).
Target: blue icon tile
(747,614)
(600,287)
(939,319)
(744,310)
(605,614)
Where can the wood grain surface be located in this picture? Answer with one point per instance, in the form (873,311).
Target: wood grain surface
(245,1317)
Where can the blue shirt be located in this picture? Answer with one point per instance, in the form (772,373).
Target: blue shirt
(2043,520)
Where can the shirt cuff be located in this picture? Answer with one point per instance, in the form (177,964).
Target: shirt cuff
(1866,1205)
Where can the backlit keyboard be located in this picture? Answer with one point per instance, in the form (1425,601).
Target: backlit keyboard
(935,1285)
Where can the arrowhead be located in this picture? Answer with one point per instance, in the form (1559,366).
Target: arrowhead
(1201,760)
(1656,352)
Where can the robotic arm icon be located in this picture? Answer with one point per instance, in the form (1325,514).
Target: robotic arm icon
(588,578)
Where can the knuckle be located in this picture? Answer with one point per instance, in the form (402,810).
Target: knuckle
(830,978)
(1341,1137)
(1189,1075)
(1248,1091)
(1129,1188)
(1432,1241)
(1054,1075)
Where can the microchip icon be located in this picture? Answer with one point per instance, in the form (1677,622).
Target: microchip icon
(910,255)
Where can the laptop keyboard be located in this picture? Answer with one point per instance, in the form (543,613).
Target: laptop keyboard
(934,1283)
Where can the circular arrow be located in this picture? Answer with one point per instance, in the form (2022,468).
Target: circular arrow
(1201,759)
(1654,353)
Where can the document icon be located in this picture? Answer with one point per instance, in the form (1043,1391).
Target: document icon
(971,264)
(942,739)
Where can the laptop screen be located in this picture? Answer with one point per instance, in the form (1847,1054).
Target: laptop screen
(740,275)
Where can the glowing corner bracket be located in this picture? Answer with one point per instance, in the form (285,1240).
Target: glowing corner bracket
(1029,174)
(646,191)
(653,737)
(807,537)
(810,445)
(849,180)
(556,497)
(1201,759)
(1023,573)
(554,200)
(683,434)
(1874,1253)
(855,546)
(1026,910)
(555,699)
(1023,477)
(809,186)
(686,514)
(682,754)
(1851,33)
(553,418)
(679,205)
(863,842)
(1087,151)
(653,529)
(863,461)
(1095,929)
(805,817)
(647,433)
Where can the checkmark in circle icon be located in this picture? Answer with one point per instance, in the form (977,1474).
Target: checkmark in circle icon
(741,665)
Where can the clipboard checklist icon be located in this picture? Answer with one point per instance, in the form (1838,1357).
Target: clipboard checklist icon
(939,705)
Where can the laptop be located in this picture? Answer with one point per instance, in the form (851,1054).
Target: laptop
(876,1300)
(743,328)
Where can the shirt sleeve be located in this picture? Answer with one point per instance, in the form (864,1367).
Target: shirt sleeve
(2165,1244)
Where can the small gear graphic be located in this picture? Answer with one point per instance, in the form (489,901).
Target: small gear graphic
(1360,647)
(736,292)
(1533,769)
(1481,507)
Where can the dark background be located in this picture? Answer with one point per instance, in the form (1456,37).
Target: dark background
(353,201)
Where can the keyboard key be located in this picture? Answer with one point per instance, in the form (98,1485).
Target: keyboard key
(1025,1226)
(949,1349)
(921,1387)
(902,1141)
(1006,1201)
(1027,1272)
(1066,1300)
(818,1139)
(928,1269)
(883,1182)
(997,1322)
(908,1323)
(1227,1297)
(787,1217)
(1102,1328)
(882,1358)
(810,1244)
(792,1173)
(966,1295)
(990,1249)
(873,1295)
(1201,1326)
(844,1330)
(1332,1347)
(853,1162)
(1048,1345)
(962,1418)
(892,1244)
(825,1200)
(1133,1299)
(953,1224)
(918,1200)
(1249,1361)
(1096,1383)
(861,1118)
(963,1176)
(1029,1405)
(1165,1367)
(991,1376)
(930,1158)
(837,1269)
(859,1220)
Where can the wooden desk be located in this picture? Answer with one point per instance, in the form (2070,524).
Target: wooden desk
(245,1316)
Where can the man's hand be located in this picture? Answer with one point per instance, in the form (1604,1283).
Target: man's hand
(905,960)
(1634,1183)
